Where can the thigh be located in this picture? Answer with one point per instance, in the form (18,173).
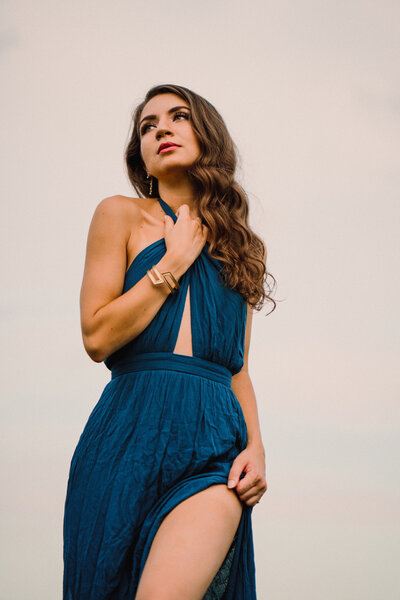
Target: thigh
(191,545)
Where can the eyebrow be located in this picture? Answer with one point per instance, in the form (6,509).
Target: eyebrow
(171,110)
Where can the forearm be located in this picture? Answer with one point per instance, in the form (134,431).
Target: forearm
(125,317)
(243,389)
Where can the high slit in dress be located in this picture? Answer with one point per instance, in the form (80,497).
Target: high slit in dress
(166,426)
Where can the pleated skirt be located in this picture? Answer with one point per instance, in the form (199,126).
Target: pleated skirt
(166,426)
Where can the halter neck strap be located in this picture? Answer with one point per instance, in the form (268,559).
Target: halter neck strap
(167,209)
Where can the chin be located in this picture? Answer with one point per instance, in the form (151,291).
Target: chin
(173,169)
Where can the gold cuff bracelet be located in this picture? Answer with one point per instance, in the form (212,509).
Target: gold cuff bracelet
(161,278)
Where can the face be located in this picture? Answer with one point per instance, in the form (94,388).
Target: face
(166,119)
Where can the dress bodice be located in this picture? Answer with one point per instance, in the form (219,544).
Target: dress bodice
(218,314)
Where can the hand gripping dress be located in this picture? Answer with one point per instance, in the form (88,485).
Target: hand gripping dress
(166,426)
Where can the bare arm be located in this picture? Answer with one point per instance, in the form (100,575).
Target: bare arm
(110,320)
(243,389)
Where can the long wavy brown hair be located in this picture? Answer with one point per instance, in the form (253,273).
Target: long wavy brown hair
(222,202)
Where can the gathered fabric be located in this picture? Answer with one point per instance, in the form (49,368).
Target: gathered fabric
(166,426)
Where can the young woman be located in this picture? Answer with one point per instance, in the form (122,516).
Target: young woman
(171,462)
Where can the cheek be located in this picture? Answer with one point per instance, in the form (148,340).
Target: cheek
(144,151)
(197,146)
(196,142)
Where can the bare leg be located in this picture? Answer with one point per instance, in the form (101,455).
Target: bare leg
(191,545)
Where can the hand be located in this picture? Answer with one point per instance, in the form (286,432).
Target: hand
(253,486)
(185,238)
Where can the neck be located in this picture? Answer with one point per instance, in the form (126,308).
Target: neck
(176,193)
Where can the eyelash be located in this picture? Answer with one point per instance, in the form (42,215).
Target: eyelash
(146,125)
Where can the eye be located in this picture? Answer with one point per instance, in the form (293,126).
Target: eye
(181,114)
(145,128)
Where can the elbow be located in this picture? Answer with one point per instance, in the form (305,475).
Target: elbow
(94,349)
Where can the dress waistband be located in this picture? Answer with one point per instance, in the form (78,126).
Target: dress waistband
(170,361)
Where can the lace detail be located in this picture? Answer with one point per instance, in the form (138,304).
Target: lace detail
(218,585)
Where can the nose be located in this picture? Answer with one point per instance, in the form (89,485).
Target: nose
(163,127)
(161,131)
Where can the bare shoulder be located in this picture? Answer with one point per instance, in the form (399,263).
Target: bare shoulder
(125,225)
(118,207)
(106,253)
(119,214)
(132,211)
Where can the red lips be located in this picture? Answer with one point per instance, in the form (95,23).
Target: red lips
(166,145)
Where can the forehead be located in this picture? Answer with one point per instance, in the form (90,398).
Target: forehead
(161,103)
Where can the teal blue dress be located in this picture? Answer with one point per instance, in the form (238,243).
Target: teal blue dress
(166,426)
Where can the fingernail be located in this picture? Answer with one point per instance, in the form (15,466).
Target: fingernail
(231,483)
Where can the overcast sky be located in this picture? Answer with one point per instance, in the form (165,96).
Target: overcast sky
(310,93)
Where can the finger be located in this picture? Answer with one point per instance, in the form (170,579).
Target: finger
(236,471)
(251,500)
(252,494)
(259,490)
(249,493)
(247,482)
(184,209)
(252,503)
(168,223)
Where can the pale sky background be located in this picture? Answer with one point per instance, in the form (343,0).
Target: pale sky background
(310,93)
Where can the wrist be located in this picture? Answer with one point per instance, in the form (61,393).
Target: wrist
(256,444)
(169,262)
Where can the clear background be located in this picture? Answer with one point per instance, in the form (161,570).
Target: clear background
(310,93)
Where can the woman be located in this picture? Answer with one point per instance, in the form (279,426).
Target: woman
(170,283)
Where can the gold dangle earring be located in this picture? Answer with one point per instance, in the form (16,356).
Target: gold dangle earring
(151,183)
